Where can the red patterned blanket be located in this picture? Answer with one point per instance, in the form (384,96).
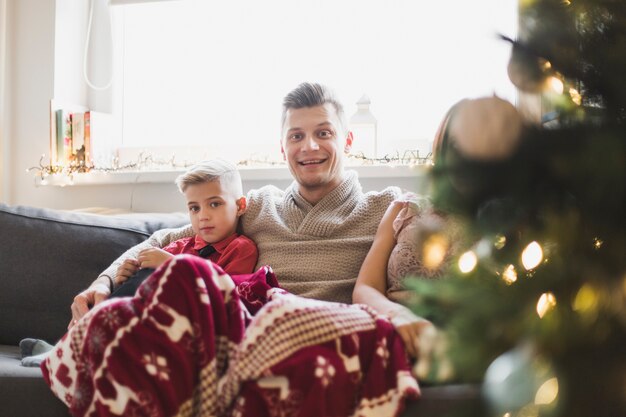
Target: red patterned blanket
(196,342)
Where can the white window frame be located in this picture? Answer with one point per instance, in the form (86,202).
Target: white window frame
(164,154)
(109,100)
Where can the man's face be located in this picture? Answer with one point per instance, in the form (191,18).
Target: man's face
(313,144)
(213,211)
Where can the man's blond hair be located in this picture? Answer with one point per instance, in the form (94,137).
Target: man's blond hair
(313,95)
(209,171)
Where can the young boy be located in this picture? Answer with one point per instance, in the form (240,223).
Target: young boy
(215,202)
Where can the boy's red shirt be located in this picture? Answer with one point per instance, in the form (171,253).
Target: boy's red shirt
(236,254)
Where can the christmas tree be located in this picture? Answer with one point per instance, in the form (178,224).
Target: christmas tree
(534,305)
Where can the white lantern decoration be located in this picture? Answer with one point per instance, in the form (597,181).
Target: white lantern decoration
(364,129)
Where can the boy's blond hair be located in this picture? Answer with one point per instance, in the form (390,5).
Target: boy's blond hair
(212,170)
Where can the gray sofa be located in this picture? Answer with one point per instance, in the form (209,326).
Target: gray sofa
(46,258)
(49,256)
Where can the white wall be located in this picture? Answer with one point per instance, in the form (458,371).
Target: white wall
(29,86)
(3,108)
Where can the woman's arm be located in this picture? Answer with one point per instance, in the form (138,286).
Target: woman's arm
(372,280)
(371,284)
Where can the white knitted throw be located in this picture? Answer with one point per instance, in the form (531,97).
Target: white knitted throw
(316,250)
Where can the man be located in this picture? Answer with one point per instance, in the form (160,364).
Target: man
(316,233)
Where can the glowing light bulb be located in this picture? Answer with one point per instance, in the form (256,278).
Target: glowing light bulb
(467,262)
(586,300)
(509,275)
(556,85)
(435,249)
(532,255)
(546,303)
(576,97)
(547,392)
(499,242)
(597,243)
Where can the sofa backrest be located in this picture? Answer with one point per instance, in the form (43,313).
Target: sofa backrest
(48,256)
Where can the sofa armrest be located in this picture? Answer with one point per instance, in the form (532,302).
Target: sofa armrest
(48,256)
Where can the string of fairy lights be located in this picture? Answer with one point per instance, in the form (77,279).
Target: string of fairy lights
(147,162)
(531,257)
(553,82)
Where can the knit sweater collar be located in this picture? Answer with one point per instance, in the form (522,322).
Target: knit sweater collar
(329,213)
(347,189)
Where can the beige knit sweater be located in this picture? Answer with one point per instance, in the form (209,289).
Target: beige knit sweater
(316,250)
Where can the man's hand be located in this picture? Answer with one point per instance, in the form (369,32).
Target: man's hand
(93,295)
(153,258)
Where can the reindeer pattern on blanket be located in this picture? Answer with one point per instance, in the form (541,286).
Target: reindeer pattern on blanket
(194,341)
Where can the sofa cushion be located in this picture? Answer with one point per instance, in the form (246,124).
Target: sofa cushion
(48,256)
(23,392)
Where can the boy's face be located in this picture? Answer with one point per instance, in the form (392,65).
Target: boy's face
(213,210)
(313,146)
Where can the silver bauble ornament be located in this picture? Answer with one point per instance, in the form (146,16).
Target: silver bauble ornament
(520,380)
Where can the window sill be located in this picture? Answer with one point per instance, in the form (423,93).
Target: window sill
(247,174)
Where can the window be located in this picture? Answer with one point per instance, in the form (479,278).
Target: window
(213,74)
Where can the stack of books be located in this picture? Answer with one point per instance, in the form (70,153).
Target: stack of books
(72,129)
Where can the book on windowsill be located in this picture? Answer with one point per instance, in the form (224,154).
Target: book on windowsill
(78,137)
(67,134)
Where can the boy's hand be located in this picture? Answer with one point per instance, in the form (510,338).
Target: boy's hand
(153,258)
(127,269)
